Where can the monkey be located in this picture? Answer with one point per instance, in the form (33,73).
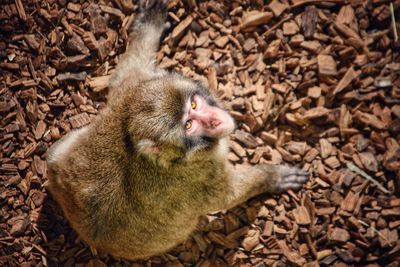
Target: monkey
(134,182)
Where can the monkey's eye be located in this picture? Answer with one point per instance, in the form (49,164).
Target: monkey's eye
(188,124)
(193,104)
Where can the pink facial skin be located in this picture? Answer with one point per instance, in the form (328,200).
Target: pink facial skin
(207,120)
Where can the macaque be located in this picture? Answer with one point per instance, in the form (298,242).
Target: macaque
(134,182)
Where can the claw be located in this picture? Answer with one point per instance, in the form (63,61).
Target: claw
(153,12)
(150,4)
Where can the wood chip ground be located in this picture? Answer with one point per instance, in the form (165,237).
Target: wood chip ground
(311,83)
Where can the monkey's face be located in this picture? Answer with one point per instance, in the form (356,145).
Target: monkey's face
(202,117)
(180,114)
(200,120)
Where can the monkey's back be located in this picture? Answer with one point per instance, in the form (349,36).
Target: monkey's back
(118,201)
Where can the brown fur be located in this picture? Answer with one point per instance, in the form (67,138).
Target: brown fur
(127,183)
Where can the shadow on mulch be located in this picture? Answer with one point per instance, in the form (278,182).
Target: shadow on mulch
(57,232)
(63,247)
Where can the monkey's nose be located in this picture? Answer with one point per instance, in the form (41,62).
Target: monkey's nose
(206,119)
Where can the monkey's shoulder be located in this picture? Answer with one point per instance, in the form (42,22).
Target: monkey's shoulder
(59,150)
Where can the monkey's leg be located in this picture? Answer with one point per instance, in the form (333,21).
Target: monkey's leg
(249,181)
(138,62)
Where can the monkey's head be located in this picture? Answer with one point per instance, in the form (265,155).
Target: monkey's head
(176,118)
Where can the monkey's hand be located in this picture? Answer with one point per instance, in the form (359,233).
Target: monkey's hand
(289,178)
(138,60)
(153,11)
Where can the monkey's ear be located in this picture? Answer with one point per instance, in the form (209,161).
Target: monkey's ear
(146,146)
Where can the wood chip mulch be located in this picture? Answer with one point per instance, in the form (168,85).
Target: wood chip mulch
(313,83)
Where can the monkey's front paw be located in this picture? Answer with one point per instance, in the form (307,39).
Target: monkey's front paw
(291,178)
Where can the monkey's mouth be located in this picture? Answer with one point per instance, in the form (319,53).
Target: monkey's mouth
(221,126)
(215,124)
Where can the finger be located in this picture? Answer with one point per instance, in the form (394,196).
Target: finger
(286,170)
(294,179)
(293,186)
